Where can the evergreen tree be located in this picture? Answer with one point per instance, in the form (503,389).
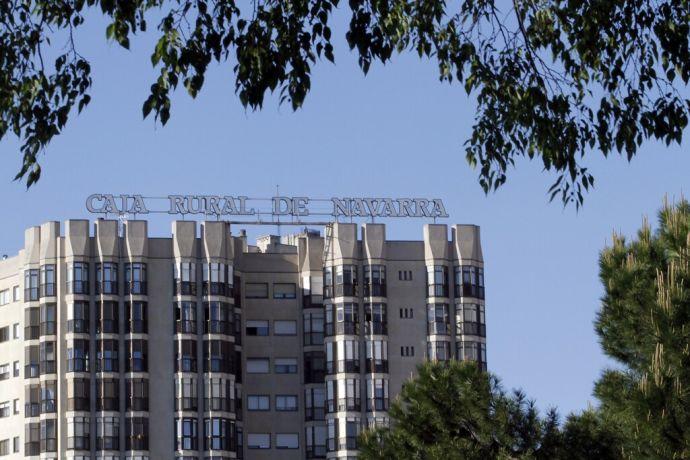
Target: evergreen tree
(644,324)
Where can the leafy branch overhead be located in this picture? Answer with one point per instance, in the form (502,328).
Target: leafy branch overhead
(554,79)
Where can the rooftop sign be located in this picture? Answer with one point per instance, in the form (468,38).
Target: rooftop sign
(242,206)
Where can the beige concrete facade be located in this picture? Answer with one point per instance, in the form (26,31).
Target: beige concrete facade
(118,345)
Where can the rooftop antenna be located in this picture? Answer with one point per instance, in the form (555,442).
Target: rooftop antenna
(278,216)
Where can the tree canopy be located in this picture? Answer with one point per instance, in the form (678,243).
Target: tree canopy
(644,324)
(556,80)
(454,411)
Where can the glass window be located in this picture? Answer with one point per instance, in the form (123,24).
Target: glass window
(31,284)
(186,437)
(78,317)
(315,441)
(346,280)
(78,394)
(258,402)
(4,297)
(106,278)
(47,284)
(313,324)
(258,440)
(314,366)
(137,433)
(78,278)
(219,394)
(135,278)
(218,356)
(257,366)
(285,365)
(107,433)
(377,395)
(217,279)
(78,433)
(137,397)
(375,280)
(470,319)
(376,318)
(219,434)
(185,317)
(315,403)
(312,291)
(107,354)
(107,317)
(48,435)
(470,350)
(287,441)
(47,357)
(185,356)
(438,350)
(438,319)
(218,318)
(186,394)
(284,291)
(137,317)
(286,403)
(256,290)
(184,278)
(107,394)
(286,327)
(377,356)
(328,282)
(257,328)
(48,324)
(437,281)
(78,356)
(346,318)
(137,355)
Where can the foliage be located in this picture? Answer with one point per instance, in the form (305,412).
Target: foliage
(644,324)
(553,79)
(454,411)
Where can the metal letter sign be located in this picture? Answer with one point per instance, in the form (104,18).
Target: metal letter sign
(293,207)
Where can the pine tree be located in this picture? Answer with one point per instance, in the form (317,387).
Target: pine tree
(644,324)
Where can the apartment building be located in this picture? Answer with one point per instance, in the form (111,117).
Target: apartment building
(118,345)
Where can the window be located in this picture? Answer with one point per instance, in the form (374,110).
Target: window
(32,320)
(48,435)
(137,317)
(137,433)
(313,328)
(257,366)
(375,280)
(137,355)
(78,317)
(315,403)
(107,394)
(349,441)
(437,281)
(78,433)
(4,409)
(137,397)
(108,433)
(257,328)
(314,366)
(348,394)
(219,434)
(218,318)
(15,406)
(185,317)
(186,437)
(285,365)
(285,327)
(286,403)
(78,278)
(48,319)
(31,284)
(185,356)
(184,278)
(4,371)
(377,395)
(346,318)
(15,444)
(312,291)
(217,279)
(31,359)
(287,441)
(78,356)
(4,297)
(15,294)
(405,275)
(345,280)
(106,278)
(32,437)
(258,403)
(4,334)
(15,369)
(135,278)
(47,283)
(15,331)
(185,394)
(32,400)
(107,356)
(78,394)
(47,357)
(258,441)
(316,441)
(107,317)
(469,281)
(376,318)
(256,290)
(284,291)
(219,394)
(407,313)
(377,356)
(218,356)
(438,350)
(438,319)
(327,282)
(470,319)
(406,351)
(470,350)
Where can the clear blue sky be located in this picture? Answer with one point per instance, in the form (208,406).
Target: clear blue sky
(396,132)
